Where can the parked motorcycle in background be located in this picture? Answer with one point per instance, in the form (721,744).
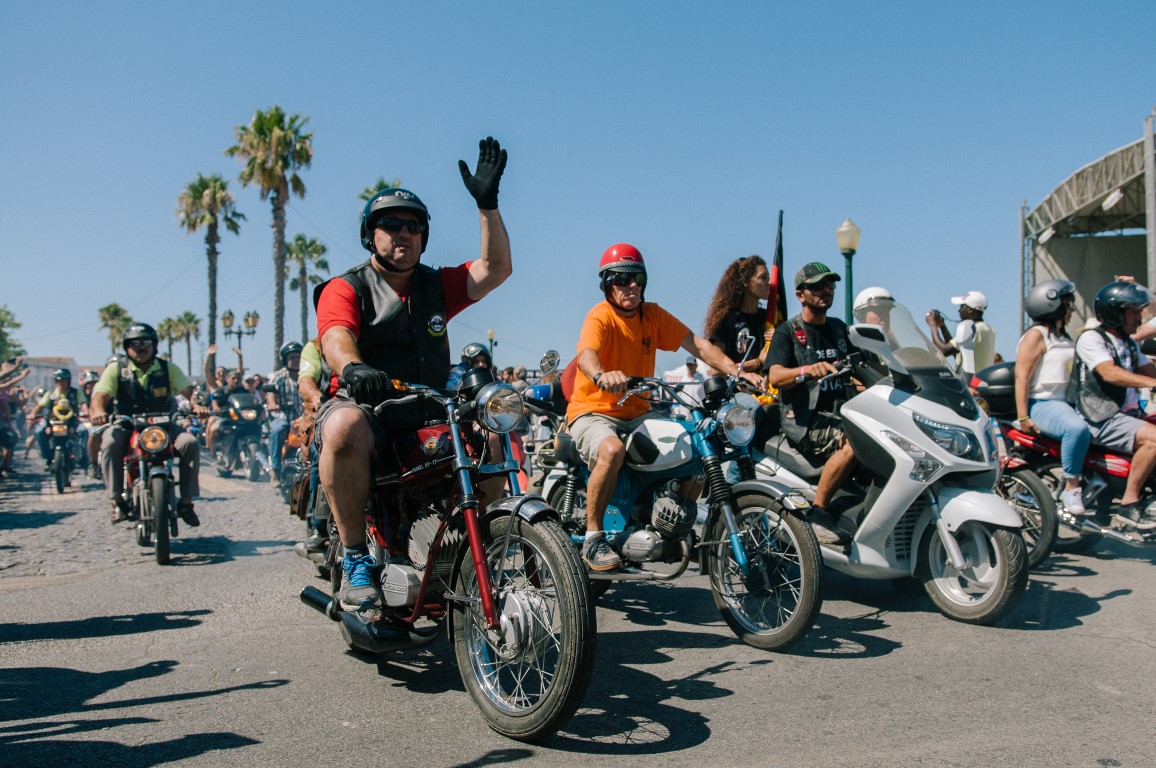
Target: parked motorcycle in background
(920,502)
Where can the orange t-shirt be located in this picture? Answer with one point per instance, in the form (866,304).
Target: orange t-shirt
(627,344)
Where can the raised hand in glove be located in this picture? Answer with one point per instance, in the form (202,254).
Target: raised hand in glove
(483,184)
(365,384)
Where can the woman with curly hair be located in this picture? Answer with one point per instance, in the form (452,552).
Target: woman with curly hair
(735,306)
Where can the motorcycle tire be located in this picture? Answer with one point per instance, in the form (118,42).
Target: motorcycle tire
(991,584)
(1032,500)
(60,469)
(776,602)
(1069,539)
(530,677)
(252,462)
(159,503)
(598,587)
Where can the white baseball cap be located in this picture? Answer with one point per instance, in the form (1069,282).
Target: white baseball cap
(973,299)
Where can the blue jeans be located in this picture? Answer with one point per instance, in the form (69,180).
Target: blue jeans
(278,433)
(1058,420)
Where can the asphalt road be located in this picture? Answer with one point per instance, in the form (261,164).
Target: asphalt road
(108,659)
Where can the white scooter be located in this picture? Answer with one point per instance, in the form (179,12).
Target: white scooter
(921,501)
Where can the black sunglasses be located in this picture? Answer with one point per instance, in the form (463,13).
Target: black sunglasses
(140,343)
(623,279)
(393,226)
(816,287)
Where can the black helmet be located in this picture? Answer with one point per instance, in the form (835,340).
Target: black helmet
(1045,301)
(384,200)
(288,348)
(473,350)
(62,374)
(139,331)
(1114,298)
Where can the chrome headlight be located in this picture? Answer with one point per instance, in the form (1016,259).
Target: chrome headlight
(955,440)
(500,407)
(925,466)
(154,439)
(737,422)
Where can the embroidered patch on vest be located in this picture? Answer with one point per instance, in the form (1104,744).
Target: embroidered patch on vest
(801,337)
(437,325)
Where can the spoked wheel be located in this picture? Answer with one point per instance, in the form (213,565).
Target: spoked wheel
(527,677)
(60,469)
(992,580)
(1032,500)
(774,603)
(159,503)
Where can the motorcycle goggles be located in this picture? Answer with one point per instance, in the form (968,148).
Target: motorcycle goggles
(623,279)
(393,226)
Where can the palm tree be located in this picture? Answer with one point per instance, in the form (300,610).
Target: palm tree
(115,319)
(206,203)
(369,192)
(191,329)
(305,252)
(168,332)
(273,147)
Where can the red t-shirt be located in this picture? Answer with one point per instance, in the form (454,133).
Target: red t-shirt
(338,305)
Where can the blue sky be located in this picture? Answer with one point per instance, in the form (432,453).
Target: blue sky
(680,127)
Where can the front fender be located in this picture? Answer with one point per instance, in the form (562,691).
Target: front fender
(529,507)
(958,505)
(789,498)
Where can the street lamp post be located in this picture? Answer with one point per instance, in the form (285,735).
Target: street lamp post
(847,238)
(490,338)
(249,323)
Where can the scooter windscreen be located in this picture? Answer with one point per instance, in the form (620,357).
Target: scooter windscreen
(890,332)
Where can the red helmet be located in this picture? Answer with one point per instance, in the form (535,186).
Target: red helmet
(622,257)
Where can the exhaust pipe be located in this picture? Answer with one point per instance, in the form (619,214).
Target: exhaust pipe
(373,637)
(1131,538)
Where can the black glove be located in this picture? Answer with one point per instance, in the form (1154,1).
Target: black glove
(365,384)
(483,185)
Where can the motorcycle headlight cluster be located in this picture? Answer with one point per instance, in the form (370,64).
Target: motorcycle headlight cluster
(737,422)
(154,439)
(249,414)
(955,440)
(500,407)
(925,466)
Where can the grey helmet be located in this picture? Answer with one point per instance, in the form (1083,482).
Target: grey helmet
(1114,298)
(470,351)
(1045,301)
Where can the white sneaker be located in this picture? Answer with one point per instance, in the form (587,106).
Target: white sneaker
(1073,501)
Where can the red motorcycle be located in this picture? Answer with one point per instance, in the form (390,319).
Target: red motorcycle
(1033,480)
(149,488)
(503,581)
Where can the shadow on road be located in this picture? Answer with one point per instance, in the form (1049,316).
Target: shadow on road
(45,694)
(36,519)
(213,550)
(100,626)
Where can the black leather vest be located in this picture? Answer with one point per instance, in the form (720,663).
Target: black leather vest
(1094,398)
(406,339)
(800,403)
(153,397)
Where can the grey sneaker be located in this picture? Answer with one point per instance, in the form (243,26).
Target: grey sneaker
(357,590)
(826,528)
(1133,516)
(598,555)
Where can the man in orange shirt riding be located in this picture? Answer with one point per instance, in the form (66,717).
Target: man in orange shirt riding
(620,338)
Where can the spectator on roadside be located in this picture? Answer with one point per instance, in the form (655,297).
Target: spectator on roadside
(692,380)
(974,339)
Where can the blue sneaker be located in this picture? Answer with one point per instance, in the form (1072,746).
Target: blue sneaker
(357,590)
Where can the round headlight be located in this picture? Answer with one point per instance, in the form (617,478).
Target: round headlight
(738,423)
(500,407)
(154,439)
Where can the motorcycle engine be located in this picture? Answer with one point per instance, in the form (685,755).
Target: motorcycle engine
(421,538)
(672,515)
(642,545)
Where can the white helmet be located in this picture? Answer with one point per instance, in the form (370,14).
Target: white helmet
(871,298)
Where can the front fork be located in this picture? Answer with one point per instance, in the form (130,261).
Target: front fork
(470,505)
(720,494)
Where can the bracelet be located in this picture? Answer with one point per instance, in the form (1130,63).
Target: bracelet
(596,379)
(803,370)
(1022,419)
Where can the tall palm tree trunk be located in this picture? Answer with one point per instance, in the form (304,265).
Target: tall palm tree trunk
(280,198)
(303,282)
(211,240)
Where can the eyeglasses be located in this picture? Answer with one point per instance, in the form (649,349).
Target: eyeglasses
(140,343)
(393,226)
(623,279)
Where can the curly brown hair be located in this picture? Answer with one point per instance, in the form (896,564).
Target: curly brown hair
(731,288)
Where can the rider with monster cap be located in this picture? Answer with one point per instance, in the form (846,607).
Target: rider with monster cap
(387,318)
(1109,369)
(620,338)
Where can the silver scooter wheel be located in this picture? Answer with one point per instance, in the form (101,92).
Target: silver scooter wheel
(991,582)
